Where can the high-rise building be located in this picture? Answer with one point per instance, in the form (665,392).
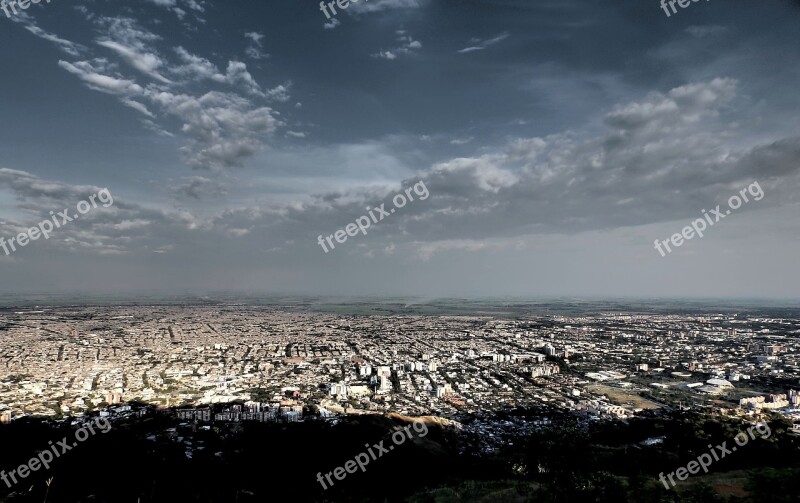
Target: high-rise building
(338,389)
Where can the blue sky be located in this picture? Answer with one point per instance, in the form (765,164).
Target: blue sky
(558,140)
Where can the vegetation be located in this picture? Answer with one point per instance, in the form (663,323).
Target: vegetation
(253,462)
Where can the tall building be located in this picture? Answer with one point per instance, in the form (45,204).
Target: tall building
(338,389)
(443,390)
(114,397)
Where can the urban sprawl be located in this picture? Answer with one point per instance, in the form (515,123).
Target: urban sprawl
(246,363)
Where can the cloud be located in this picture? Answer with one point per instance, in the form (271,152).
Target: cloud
(196,5)
(87,14)
(199,68)
(138,107)
(658,159)
(121,228)
(254,50)
(385,55)
(93,74)
(705,31)
(146,63)
(133,44)
(198,187)
(461,141)
(426,251)
(373,6)
(407,46)
(172,5)
(479,45)
(194,67)
(71,48)
(225,128)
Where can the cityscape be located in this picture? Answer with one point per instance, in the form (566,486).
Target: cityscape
(72,361)
(399,251)
(491,375)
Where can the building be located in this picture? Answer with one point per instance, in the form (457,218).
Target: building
(545,370)
(443,390)
(339,390)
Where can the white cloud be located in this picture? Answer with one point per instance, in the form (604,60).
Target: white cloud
(92,76)
(479,45)
(407,46)
(254,50)
(225,128)
(138,107)
(146,63)
(71,48)
(372,6)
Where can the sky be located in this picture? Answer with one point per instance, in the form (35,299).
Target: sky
(546,145)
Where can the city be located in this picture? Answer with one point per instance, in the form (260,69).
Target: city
(399,251)
(286,363)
